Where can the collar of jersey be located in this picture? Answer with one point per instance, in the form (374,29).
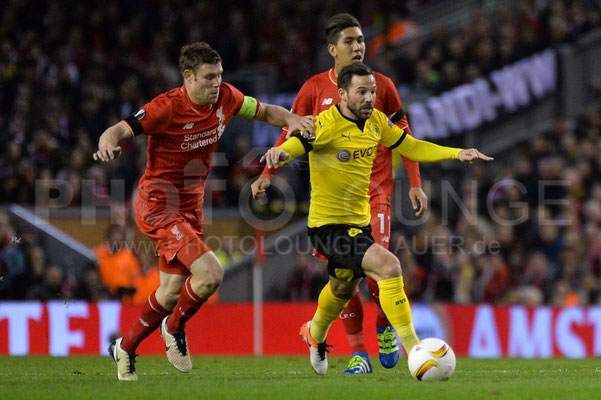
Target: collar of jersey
(332,77)
(360,124)
(190,103)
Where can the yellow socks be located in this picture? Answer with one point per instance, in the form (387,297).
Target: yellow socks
(393,300)
(395,305)
(329,309)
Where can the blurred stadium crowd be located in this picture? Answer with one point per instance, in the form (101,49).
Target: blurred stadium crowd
(510,31)
(69,69)
(26,273)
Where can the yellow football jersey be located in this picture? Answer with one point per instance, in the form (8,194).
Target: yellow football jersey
(341,158)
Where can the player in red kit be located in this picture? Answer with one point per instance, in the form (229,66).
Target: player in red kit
(346,44)
(183,126)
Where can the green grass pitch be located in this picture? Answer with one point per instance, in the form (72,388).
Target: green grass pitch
(79,377)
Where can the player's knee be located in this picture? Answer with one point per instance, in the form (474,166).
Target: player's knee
(390,267)
(208,280)
(215,278)
(343,289)
(206,287)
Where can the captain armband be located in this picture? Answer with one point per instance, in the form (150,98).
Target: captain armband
(250,107)
(397,116)
(134,121)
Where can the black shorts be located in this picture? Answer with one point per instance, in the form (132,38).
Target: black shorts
(344,246)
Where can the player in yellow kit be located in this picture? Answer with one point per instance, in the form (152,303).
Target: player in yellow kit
(341,155)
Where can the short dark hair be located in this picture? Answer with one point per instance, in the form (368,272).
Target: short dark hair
(345,76)
(194,54)
(338,23)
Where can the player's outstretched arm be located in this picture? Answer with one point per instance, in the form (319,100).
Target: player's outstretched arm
(279,116)
(471,155)
(108,144)
(424,151)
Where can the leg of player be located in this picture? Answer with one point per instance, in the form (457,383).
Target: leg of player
(157,307)
(382,266)
(332,301)
(387,337)
(352,321)
(207,275)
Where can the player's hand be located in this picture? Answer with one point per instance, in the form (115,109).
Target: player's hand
(419,200)
(107,153)
(473,154)
(260,186)
(305,125)
(274,156)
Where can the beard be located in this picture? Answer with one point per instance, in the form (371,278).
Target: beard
(357,111)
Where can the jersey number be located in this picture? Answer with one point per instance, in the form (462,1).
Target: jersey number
(381,216)
(383,227)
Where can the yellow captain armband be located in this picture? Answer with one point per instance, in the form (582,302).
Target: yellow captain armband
(250,107)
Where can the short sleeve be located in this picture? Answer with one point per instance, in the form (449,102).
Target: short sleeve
(153,118)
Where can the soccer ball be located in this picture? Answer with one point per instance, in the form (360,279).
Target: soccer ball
(431,360)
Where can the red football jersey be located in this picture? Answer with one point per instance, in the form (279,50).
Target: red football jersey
(320,92)
(181,141)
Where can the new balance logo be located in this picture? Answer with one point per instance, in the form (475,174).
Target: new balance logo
(189,125)
(140,114)
(176,232)
(327,102)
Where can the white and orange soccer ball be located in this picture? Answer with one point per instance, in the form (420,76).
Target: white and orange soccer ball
(431,360)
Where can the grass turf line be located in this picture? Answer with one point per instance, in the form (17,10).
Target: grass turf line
(82,377)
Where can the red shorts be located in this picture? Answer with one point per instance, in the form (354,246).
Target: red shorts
(380,226)
(174,233)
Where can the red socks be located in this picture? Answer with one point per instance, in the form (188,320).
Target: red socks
(187,305)
(374,290)
(153,313)
(352,320)
(150,318)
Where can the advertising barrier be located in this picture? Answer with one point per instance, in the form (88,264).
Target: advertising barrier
(71,328)
(471,105)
